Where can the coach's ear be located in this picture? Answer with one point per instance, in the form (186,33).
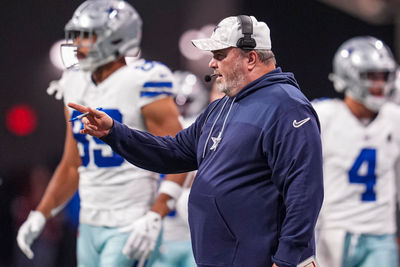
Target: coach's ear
(252,60)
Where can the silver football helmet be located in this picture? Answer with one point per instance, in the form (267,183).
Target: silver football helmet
(354,61)
(191,95)
(116,25)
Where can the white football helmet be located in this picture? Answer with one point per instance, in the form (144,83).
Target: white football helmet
(191,95)
(117,26)
(354,60)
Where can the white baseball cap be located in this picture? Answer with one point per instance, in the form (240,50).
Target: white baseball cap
(229,31)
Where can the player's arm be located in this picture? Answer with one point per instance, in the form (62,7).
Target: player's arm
(161,119)
(61,188)
(65,180)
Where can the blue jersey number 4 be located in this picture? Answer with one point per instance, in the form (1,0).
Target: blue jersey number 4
(366,156)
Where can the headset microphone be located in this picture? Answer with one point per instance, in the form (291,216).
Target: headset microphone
(208,78)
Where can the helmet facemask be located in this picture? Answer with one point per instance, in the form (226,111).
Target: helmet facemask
(377,91)
(69,50)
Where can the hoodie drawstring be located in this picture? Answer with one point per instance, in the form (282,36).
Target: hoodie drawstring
(219,137)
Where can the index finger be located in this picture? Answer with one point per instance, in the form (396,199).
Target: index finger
(78,107)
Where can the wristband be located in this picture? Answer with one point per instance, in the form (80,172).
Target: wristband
(172,189)
(56,210)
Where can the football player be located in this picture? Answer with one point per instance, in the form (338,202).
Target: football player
(361,148)
(120,220)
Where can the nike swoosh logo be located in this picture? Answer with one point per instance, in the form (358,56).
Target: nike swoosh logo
(297,124)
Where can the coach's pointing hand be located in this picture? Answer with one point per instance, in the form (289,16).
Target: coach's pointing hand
(96,123)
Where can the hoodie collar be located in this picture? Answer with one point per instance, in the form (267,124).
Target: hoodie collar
(273,77)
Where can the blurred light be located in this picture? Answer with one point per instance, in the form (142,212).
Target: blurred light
(55,55)
(187,89)
(208,30)
(185,42)
(21,120)
(187,86)
(356,59)
(378,44)
(121,5)
(191,79)
(344,53)
(180,100)
(186,47)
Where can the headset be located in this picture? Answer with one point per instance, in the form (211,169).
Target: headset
(246,42)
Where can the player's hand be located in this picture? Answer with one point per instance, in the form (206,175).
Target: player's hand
(143,239)
(29,231)
(96,123)
(56,89)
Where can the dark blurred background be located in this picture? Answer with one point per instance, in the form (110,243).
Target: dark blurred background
(305,35)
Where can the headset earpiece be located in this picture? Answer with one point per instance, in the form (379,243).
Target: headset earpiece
(246,42)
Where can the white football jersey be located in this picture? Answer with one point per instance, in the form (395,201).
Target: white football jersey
(114,192)
(359,168)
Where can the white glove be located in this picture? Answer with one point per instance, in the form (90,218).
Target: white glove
(29,231)
(143,238)
(55,87)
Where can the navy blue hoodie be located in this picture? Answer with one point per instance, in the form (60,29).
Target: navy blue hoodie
(258,189)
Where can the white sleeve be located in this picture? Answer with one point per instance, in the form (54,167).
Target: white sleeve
(157,84)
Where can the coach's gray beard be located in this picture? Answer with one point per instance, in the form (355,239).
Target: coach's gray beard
(233,81)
